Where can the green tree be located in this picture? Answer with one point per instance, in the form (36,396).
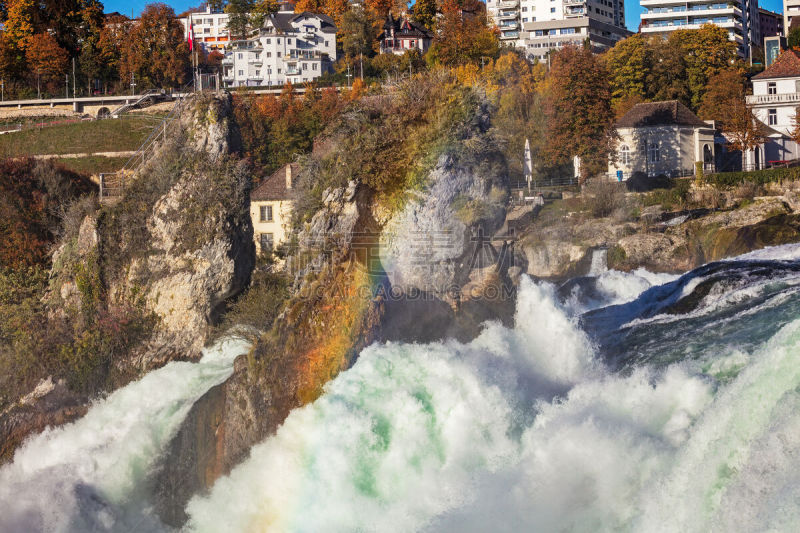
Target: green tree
(577,104)
(793,37)
(239,21)
(356,32)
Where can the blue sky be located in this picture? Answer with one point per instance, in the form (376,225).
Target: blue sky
(632,9)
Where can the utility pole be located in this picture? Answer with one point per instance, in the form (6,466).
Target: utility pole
(2,90)
(348,75)
(133,83)
(66,85)
(74,93)
(361,61)
(38,86)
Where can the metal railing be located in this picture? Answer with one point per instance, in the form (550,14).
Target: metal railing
(126,106)
(784,98)
(112,185)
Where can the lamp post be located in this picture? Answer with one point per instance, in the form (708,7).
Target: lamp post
(38,85)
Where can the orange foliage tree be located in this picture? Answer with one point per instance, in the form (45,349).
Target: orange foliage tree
(463,35)
(577,103)
(46,60)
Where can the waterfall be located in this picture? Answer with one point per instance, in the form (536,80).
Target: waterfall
(599,262)
(668,404)
(92,475)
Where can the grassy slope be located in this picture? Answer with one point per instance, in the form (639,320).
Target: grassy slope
(112,135)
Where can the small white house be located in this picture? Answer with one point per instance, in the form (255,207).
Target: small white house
(775,99)
(662,138)
(290,47)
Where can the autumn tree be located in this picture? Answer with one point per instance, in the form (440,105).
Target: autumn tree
(577,104)
(19,24)
(629,64)
(463,36)
(793,35)
(46,60)
(721,97)
(424,12)
(706,52)
(156,53)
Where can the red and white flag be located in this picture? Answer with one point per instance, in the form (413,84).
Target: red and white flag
(191,34)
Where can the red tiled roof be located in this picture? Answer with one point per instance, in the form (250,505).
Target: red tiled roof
(786,66)
(274,187)
(670,112)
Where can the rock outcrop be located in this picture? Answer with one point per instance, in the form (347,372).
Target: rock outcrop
(354,281)
(171,251)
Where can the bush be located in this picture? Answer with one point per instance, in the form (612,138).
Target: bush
(260,304)
(669,199)
(602,197)
(757,177)
(641,182)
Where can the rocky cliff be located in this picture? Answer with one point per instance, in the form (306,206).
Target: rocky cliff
(141,281)
(361,269)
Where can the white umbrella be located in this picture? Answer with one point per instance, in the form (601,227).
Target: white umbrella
(528,164)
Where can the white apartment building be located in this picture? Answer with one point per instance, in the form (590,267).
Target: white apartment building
(739,17)
(210,29)
(541,25)
(295,47)
(791,9)
(775,100)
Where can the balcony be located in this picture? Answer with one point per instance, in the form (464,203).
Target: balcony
(508,5)
(575,12)
(764,99)
(507,15)
(508,26)
(574,2)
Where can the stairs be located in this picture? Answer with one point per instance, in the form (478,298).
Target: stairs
(112,185)
(148,98)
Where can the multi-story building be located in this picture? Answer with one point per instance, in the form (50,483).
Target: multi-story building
(209,29)
(791,9)
(775,100)
(542,25)
(294,47)
(769,25)
(739,17)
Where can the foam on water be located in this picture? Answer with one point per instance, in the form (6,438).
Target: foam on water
(523,430)
(91,475)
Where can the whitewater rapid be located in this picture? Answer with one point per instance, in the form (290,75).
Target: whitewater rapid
(92,475)
(528,429)
(628,402)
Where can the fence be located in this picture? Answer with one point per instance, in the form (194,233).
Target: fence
(112,185)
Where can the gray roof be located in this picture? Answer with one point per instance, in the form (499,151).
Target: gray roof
(669,113)
(283,21)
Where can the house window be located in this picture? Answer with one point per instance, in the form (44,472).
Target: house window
(552,10)
(258,73)
(773,116)
(288,41)
(266,213)
(653,153)
(240,56)
(772,88)
(279,54)
(625,155)
(241,73)
(266,240)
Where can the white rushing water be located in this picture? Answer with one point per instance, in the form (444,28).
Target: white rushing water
(90,475)
(525,430)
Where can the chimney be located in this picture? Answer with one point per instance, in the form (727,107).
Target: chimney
(289,176)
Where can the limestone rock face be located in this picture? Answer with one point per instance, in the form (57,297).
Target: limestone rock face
(430,244)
